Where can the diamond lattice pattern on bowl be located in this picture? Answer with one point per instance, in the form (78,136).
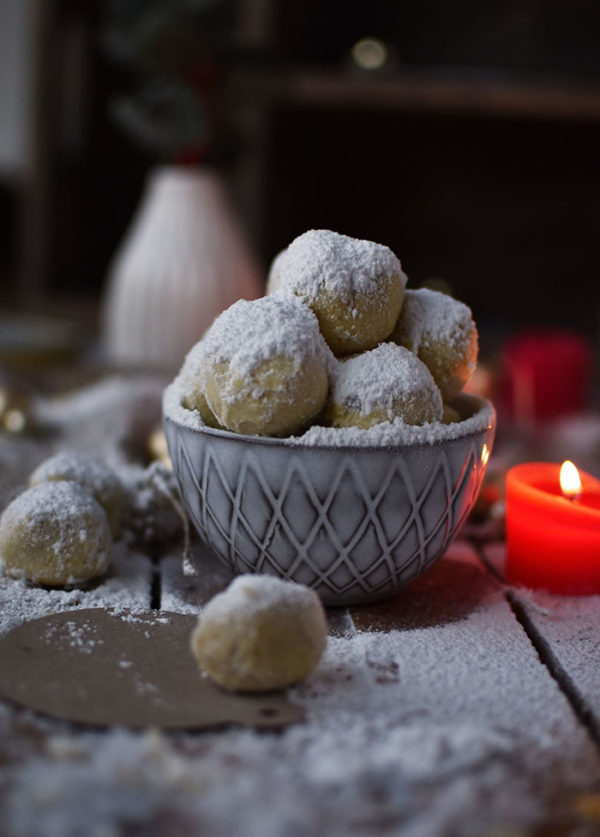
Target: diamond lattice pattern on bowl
(353,523)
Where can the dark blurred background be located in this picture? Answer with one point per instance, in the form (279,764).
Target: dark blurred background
(464,135)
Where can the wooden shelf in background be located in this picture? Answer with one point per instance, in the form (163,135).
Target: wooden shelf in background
(491,96)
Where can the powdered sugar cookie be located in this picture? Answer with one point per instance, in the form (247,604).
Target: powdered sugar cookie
(55,533)
(274,277)
(261,633)
(91,475)
(383,384)
(354,287)
(192,384)
(265,366)
(441,332)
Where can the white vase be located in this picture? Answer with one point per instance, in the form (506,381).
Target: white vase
(183,260)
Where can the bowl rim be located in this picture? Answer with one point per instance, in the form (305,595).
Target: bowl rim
(485,413)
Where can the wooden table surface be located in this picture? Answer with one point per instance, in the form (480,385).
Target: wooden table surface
(463,706)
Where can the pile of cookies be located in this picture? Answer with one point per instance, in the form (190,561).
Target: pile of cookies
(60,531)
(338,341)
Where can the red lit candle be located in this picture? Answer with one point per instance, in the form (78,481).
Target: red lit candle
(552,533)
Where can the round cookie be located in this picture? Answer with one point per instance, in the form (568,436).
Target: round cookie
(383,384)
(55,533)
(441,332)
(266,366)
(355,287)
(261,633)
(274,276)
(192,384)
(91,475)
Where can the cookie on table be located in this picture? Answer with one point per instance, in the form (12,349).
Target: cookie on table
(93,476)
(55,534)
(354,287)
(261,633)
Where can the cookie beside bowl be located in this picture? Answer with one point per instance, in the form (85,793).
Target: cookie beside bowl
(355,522)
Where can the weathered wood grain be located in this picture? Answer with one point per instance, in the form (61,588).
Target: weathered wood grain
(566,633)
(444,712)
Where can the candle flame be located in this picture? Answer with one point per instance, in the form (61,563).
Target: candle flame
(570,481)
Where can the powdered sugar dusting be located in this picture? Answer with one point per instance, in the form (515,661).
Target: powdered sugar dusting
(102,483)
(384,378)
(248,595)
(324,260)
(386,434)
(397,433)
(59,517)
(431,315)
(453,743)
(173,407)
(193,364)
(250,332)
(82,469)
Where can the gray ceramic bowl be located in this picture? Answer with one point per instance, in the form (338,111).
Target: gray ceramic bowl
(355,523)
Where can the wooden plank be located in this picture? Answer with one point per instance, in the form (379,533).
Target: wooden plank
(565,631)
(449,591)
(446,726)
(453,649)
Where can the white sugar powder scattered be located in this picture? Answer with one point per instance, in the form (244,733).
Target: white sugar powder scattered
(82,636)
(324,260)
(127,586)
(452,744)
